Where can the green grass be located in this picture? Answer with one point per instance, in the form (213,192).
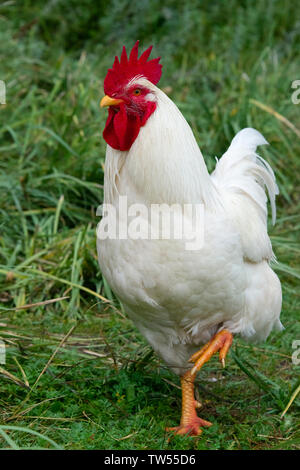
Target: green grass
(103,387)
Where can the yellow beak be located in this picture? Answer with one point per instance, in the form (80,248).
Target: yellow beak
(108,101)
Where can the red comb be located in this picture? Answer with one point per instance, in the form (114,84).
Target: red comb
(124,70)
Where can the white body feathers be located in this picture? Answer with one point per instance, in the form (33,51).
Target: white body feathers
(178,298)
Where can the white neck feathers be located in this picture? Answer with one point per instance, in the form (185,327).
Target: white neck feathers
(164,164)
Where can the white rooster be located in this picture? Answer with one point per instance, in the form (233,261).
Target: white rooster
(183,299)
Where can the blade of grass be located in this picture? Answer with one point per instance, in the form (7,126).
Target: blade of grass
(11,442)
(291,400)
(261,381)
(29,431)
(57,213)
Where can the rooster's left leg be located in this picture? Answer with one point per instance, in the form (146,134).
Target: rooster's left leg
(190,423)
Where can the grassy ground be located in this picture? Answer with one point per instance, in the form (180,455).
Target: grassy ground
(77,372)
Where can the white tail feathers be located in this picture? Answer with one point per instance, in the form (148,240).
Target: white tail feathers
(242,176)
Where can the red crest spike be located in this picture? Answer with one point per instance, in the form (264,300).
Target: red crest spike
(145,55)
(125,69)
(134,53)
(124,58)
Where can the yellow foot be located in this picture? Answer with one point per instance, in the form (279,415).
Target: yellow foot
(193,428)
(220,342)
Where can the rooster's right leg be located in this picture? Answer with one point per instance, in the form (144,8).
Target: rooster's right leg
(190,423)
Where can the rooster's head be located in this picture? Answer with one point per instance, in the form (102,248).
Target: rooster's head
(128,96)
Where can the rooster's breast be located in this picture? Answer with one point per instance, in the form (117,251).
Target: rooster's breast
(165,287)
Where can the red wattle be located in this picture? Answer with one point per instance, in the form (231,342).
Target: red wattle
(122,128)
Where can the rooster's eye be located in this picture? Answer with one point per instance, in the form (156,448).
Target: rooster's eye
(137,91)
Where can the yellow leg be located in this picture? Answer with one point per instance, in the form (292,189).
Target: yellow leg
(190,423)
